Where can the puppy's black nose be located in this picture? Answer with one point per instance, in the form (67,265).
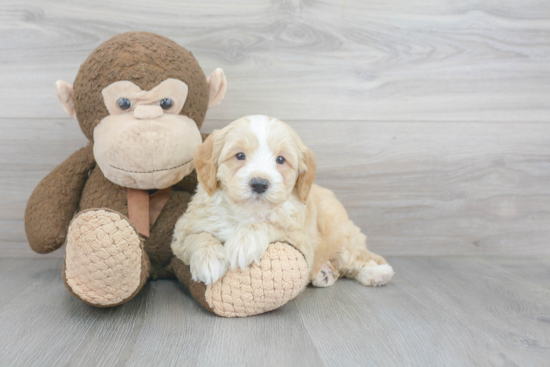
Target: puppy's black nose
(259,185)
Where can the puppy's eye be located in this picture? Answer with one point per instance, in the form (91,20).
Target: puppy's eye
(124,103)
(166,103)
(240,156)
(280,160)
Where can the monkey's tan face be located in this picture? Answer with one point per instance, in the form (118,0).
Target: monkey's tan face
(144,143)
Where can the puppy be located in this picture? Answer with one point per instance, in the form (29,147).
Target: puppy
(256,187)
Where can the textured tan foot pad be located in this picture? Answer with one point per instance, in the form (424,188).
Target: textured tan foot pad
(279,277)
(105,264)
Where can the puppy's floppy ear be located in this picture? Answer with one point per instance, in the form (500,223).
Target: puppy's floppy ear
(306,176)
(205,164)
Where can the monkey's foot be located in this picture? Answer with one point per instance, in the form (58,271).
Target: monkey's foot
(281,275)
(105,264)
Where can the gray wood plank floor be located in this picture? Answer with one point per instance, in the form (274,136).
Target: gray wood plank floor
(438,311)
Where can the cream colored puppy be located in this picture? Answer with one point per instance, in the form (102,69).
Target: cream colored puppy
(256,187)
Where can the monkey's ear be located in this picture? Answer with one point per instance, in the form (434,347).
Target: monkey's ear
(205,164)
(306,177)
(217,86)
(65,94)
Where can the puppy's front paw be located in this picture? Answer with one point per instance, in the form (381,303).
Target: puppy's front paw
(208,264)
(245,248)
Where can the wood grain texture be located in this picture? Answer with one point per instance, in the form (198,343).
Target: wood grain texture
(416,188)
(438,312)
(451,311)
(185,334)
(538,272)
(393,60)
(43,325)
(430,119)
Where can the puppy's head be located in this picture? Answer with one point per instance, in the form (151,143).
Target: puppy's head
(258,161)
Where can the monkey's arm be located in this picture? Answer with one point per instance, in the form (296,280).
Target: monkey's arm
(54,201)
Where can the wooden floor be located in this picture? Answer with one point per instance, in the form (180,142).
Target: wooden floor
(438,311)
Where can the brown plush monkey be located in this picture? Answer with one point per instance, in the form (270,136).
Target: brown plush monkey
(141,99)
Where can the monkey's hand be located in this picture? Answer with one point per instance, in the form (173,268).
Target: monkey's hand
(54,201)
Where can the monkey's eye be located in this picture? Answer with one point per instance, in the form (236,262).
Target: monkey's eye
(240,156)
(124,104)
(166,103)
(280,160)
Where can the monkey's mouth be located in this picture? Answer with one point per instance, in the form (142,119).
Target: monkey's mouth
(153,171)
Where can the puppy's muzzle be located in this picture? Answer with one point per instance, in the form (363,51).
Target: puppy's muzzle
(259,185)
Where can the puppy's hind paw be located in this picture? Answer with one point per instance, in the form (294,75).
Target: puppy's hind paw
(208,264)
(375,276)
(325,277)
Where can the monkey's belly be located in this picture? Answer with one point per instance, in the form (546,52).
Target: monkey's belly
(99,192)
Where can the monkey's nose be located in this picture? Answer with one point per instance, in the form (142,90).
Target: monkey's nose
(259,185)
(143,112)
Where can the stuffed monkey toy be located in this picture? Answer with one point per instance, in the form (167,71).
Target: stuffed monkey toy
(140,99)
